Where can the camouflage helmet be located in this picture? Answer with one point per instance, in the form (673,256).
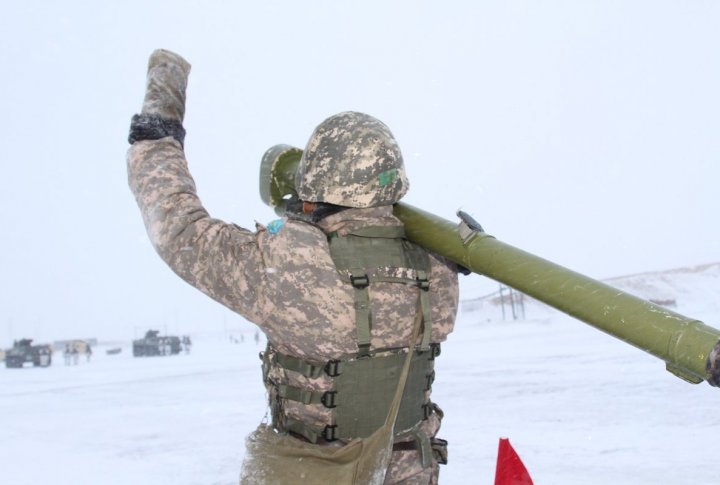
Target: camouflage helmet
(352,160)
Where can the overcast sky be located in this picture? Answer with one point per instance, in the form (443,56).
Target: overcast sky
(584,132)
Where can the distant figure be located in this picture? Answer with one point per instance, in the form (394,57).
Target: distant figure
(242,338)
(166,350)
(44,357)
(88,352)
(75,354)
(67,354)
(257,337)
(187,343)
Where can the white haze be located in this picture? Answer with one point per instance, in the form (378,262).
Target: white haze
(583,132)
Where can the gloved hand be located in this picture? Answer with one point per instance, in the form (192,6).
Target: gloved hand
(163,109)
(167,78)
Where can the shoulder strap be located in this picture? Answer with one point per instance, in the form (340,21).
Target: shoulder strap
(367,255)
(377,449)
(388,232)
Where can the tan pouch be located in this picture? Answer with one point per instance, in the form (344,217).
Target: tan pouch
(273,458)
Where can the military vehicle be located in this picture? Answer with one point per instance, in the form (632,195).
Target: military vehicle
(24,351)
(690,349)
(154,344)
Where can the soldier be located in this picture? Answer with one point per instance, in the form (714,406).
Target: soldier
(75,353)
(67,354)
(334,286)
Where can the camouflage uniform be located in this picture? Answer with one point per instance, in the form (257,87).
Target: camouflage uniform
(283,279)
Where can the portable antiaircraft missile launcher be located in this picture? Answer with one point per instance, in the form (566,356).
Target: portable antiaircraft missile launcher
(690,349)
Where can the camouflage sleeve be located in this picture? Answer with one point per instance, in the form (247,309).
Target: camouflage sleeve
(222,260)
(444,290)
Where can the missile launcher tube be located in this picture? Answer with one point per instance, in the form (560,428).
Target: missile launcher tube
(688,346)
(690,349)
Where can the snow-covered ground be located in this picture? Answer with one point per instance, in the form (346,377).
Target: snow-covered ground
(578,406)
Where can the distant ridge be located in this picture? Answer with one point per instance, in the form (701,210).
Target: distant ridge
(691,289)
(685,269)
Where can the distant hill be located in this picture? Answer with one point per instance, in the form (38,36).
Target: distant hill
(694,291)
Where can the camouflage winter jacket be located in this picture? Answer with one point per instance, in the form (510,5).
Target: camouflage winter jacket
(281,278)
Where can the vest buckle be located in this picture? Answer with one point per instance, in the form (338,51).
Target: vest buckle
(332,368)
(434,350)
(422,283)
(360,282)
(430,378)
(329,432)
(427,410)
(328,399)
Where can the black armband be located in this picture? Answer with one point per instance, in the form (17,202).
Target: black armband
(154,127)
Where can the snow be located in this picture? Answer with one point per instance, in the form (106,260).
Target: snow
(577,405)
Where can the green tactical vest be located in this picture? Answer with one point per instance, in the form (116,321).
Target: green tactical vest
(363,386)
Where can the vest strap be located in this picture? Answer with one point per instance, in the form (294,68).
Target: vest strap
(304,367)
(422,444)
(307,368)
(360,283)
(424,286)
(304,396)
(385,232)
(307,431)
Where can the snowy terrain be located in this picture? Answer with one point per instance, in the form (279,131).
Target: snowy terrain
(577,405)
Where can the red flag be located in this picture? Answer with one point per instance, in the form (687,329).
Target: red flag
(510,469)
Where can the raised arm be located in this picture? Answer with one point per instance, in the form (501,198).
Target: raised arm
(222,260)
